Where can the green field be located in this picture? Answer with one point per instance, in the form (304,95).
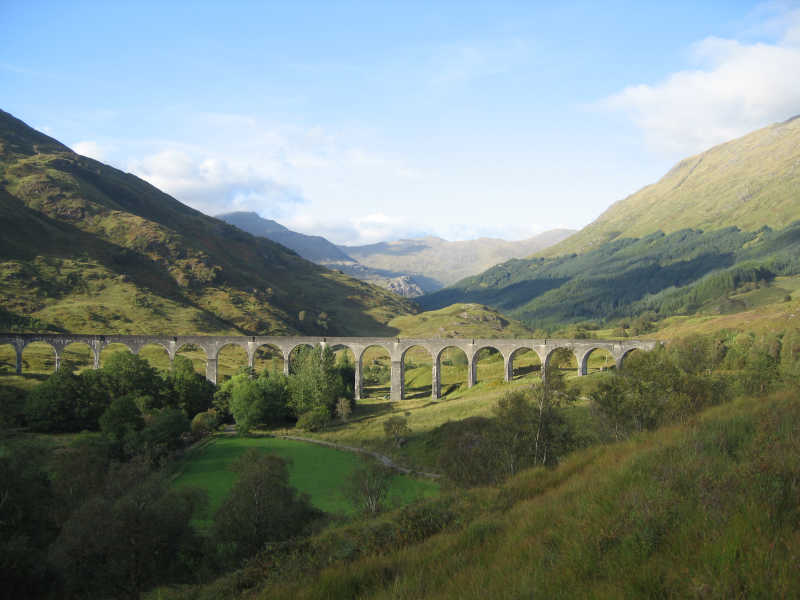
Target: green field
(315,470)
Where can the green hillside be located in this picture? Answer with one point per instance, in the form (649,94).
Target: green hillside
(459,320)
(748,183)
(713,227)
(85,247)
(661,275)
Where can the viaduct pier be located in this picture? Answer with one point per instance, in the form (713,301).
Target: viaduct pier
(395,347)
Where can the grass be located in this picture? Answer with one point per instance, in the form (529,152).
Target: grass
(316,470)
(773,317)
(459,320)
(424,414)
(707,509)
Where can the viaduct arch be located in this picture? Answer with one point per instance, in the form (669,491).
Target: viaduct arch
(395,347)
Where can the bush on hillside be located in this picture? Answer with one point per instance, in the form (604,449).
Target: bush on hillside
(204,423)
(314,420)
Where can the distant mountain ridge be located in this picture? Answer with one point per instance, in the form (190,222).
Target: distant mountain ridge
(319,250)
(446,262)
(406,267)
(311,247)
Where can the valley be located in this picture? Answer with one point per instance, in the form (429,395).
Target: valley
(703,308)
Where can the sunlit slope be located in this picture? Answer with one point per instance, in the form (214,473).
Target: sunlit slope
(459,321)
(705,510)
(662,275)
(749,182)
(717,222)
(85,247)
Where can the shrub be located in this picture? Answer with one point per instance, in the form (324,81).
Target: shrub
(204,423)
(121,419)
(420,521)
(314,420)
(396,429)
(467,457)
(367,487)
(344,407)
(261,507)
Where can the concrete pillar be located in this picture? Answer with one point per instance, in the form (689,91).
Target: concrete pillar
(545,366)
(508,367)
(436,380)
(398,380)
(251,359)
(211,370)
(18,352)
(619,363)
(96,353)
(286,362)
(583,364)
(58,359)
(472,371)
(357,382)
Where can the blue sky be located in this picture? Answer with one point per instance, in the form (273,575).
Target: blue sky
(378,120)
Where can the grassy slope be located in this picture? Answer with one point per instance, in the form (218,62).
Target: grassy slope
(749,182)
(707,509)
(85,247)
(765,310)
(459,320)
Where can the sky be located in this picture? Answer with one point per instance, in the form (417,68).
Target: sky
(373,121)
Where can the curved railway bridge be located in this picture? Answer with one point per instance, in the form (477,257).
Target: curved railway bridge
(396,348)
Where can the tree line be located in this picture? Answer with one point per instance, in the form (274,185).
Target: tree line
(98,516)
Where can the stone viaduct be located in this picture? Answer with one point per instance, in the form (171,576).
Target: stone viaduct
(395,347)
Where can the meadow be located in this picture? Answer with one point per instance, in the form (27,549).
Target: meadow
(315,470)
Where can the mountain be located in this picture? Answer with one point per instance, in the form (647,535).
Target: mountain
(441,262)
(311,247)
(747,183)
(715,226)
(319,250)
(87,248)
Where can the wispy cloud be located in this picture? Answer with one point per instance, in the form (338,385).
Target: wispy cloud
(92,149)
(238,162)
(736,87)
(465,63)
(215,185)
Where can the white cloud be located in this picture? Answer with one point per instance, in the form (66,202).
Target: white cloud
(737,88)
(369,229)
(283,172)
(380,227)
(91,149)
(215,185)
